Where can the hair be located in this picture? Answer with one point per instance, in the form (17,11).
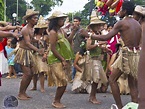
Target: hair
(118,45)
(82,51)
(112,25)
(14,43)
(129,7)
(78,18)
(53,24)
(36,30)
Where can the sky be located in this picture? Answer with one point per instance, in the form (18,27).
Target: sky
(69,6)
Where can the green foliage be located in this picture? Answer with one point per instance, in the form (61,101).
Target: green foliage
(1,10)
(45,6)
(139,2)
(87,12)
(12,7)
(84,14)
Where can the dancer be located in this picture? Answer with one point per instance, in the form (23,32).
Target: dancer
(24,55)
(79,84)
(98,76)
(41,43)
(59,56)
(127,62)
(139,15)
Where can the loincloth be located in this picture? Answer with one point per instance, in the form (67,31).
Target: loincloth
(25,57)
(127,61)
(58,76)
(97,73)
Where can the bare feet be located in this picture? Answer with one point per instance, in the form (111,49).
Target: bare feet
(27,96)
(14,76)
(23,97)
(8,77)
(94,101)
(58,105)
(42,90)
(33,89)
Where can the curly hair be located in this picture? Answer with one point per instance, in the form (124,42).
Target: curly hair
(129,7)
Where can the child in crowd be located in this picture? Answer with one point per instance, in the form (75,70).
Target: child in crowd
(10,55)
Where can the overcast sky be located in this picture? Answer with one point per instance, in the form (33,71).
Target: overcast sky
(69,5)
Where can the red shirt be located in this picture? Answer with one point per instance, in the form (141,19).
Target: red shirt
(2,46)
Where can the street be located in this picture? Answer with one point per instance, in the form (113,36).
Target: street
(44,100)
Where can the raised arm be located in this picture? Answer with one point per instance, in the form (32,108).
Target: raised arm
(111,34)
(4,34)
(73,32)
(6,28)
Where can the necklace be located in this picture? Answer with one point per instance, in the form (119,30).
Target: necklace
(129,16)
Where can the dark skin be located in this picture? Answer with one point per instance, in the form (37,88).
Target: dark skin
(53,42)
(130,31)
(95,28)
(4,34)
(8,27)
(28,34)
(141,73)
(8,34)
(41,74)
(77,57)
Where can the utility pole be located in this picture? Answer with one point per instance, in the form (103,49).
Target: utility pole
(17,9)
(5,10)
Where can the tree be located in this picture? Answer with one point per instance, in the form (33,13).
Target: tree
(1,10)
(12,7)
(139,2)
(45,6)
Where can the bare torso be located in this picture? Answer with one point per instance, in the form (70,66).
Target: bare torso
(29,34)
(130,31)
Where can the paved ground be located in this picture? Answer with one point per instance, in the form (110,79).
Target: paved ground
(43,100)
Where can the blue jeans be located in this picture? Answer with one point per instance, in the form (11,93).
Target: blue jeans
(17,68)
(73,72)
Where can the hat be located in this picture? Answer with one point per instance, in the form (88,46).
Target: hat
(3,23)
(95,19)
(139,9)
(29,13)
(41,23)
(143,11)
(57,14)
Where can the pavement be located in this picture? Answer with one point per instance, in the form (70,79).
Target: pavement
(10,87)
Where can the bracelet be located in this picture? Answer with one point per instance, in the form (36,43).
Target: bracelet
(103,46)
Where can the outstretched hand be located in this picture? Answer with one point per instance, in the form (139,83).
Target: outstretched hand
(75,28)
(16,35)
